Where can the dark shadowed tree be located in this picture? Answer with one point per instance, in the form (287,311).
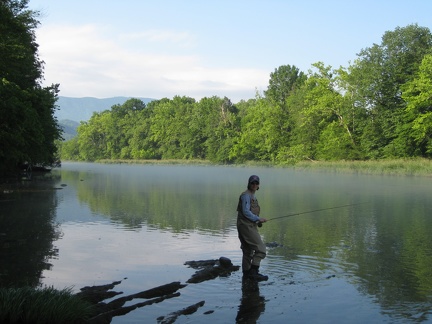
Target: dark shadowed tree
(28,128)
(283,81)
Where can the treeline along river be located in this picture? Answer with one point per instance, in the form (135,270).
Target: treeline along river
(91,224)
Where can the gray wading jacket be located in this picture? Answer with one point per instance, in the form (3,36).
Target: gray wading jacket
(248,207)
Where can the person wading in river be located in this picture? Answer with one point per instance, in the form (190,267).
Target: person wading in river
(248,220)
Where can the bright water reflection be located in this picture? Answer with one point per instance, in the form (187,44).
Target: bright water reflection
(368,262)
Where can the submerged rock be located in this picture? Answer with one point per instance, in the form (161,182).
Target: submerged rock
(105,311)
(273,244)
(211,269)
(172,317)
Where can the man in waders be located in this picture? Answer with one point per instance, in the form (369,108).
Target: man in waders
(248,220)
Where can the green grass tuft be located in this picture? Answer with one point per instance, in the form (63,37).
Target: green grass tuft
(42,305)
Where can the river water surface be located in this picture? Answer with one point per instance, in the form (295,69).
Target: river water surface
(368,260)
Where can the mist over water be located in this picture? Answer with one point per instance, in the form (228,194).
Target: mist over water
(369,259)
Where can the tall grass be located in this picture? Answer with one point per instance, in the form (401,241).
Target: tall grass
(402,167)
(42,305)
(167,161)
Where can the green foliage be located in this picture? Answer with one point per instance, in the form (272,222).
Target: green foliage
(44,305)
(28,128)
(283,81)
(170,128)
(418,95)
(19,62)
(378,107)
(329,116)
(215,125)
(377,77)
(69,150)
(250,144)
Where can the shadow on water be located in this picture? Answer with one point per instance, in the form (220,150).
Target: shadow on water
(27,230)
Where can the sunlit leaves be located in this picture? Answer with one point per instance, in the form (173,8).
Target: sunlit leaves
(283,81)
(377,77)
(329,116)
(356,112)
(418,95)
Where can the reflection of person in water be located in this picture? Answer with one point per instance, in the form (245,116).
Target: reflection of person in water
(252,305)
(248,220)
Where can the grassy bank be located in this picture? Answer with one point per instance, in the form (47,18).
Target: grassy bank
(42,305)
(401,167)
(167,162)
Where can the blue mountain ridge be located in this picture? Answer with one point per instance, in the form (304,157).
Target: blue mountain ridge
(71,111)
(81,109)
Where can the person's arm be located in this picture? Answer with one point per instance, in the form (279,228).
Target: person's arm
(246,206)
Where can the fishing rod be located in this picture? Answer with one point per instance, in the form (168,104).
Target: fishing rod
(310,211)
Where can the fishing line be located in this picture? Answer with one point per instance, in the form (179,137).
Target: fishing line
(314,211)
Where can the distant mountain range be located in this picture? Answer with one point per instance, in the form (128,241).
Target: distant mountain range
(81,109)
(69,128)
(74,110)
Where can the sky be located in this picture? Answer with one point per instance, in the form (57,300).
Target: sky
(203,48)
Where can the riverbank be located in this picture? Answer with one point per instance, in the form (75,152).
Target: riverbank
(400,167)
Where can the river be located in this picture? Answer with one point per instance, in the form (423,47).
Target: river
(342,247)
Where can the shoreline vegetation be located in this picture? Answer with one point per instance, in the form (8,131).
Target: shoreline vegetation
(396,167)
(96,305)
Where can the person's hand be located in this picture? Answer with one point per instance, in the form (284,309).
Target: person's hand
(261,221)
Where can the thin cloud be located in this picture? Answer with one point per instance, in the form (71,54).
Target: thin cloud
(88,59)
(184,39)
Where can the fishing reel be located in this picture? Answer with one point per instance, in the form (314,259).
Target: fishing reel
(259,224)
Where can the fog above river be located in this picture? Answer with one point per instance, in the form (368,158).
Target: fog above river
(363,240)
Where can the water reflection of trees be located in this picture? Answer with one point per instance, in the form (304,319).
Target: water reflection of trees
(387,245)
(393,251)
(172,206)
(27,232)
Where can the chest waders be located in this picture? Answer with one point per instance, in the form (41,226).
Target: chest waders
(252,246)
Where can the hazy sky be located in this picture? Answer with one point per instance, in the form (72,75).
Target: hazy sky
(202,48)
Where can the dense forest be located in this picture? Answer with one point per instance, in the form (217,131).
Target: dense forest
(28,128)
(378,107)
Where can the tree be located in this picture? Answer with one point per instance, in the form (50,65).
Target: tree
(93,137)
(214,125)
(170,127)
(296,148)
(377,75)
(260,136)
(19,61)
(326,116)
(140,143)
(266,122)
(28,128)
(119,131)
(418,95)
(283,81)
